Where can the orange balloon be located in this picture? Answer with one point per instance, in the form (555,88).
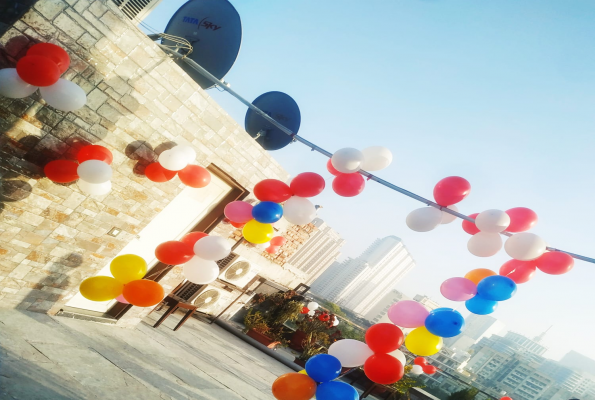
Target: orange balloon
(477,275)
(143,293)
(294,386)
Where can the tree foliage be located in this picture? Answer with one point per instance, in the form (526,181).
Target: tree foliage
(466,394)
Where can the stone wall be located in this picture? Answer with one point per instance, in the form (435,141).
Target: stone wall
(53,236)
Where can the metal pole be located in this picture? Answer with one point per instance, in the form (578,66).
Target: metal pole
(314,147)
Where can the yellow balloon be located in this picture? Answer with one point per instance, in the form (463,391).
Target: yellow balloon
(303,372)
(128,267)
(101,288)
(256,232)
(423,343)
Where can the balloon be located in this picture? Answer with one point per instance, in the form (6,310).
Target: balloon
(323,367)
(238,225)
(267,212)
(312,305)
(121,299)
(408,314)
(521,219)
(477,275)
(272,190)
(430,369)
(272,249)
(497,288)
(505,398)
(420,361)
(484,244)
(256,232)
(294,386)
(331,169)
(448,218)
(128,267)
(100,288)
(61,171)
(143,293)
(239,211)
(555,263)
(493,221)
(383,369)
(518,271)
(307,184)
(173,252)
(173,160)
(469,226)
(445,322)
(156,173)
(188,152)
(417,370)
(336,390)
(480,306)
(56,53)
(525,246)
(64,95)
(94,171)
(299,211)
(458,289)
(263,246)
(305,311)
(38,71)
(324,317)
(278,241)
(349,185)
(398,354)
(94,189)
(423,343)
(384,338)
(424,219)
(201,271)
(311,313)
(95,152)
(12,86)
(195,176)
(451,190)
(376,158)
(347,160)
(212,248)
(336,321)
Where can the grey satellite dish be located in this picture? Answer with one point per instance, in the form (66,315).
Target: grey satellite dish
(283,109)
(214,29)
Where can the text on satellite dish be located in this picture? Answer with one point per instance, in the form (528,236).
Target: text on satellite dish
(203,22)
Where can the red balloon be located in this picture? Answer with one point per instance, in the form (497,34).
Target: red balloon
(331,169)
(38,70)
(272,190)
(469,226)
(174,252)
(555,263)
(518,271)
(349,185)
(420,361)
(195,176)
(505,398)
(237,224)
(307,184)
(304,310)
(429,369)
(383,368)
(61,171)
(384,338)
(278,241)
(191,238)
(156,173)
(95,152)
(451,190)
(324,317)
(56,53)
(272,249)
(521,219)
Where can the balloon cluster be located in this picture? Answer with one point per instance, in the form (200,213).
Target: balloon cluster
(40,69)
(275,244)
(310,308)
(93,170)
(125,285)
(345,164)
(421,366)
(177,161)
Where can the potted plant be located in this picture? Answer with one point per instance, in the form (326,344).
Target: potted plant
(317,344)
(309,327)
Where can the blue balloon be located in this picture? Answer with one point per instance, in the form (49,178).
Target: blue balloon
(445,322)
(480,306)
(336,391)
(267,212)
(323,367)
(496,288)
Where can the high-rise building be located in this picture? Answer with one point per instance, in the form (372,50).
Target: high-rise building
(381,308)
(426,301)
(476,328)
(578,361)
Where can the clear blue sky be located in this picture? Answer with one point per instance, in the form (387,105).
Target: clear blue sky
(499,92)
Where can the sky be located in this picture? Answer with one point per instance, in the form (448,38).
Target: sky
(501,93)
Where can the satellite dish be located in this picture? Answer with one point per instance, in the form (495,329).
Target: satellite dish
(207,298)
(283,109)
(214,29)
(237,271)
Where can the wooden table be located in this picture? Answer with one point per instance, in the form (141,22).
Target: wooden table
(174,302)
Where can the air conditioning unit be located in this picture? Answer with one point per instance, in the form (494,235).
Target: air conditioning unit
(238,271)
(212,299)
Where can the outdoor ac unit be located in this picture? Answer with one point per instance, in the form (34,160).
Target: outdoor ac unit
(212,299)
(239,271)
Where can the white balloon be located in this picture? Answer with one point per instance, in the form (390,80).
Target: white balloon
(525,246)
(64,95)
(312,306)
(417,370)
(201,271)
(173,160)
(336,321)
(376,158)
(212,248)
(311,313)
(492,221)
(398,354)
(12,86)
(484,244)
(263,246)
(94,171)
(187,151)
(94,189)
(347,160)
(448,218)
(351,353)
(424,219)
(299,210)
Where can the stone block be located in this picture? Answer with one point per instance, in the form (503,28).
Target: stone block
(50,8)
(20,272)
(68,26)
(112,21)
(39,24)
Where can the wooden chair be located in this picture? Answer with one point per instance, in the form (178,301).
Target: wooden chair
(174,302)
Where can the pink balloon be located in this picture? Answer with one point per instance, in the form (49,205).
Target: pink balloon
(121,299)
(458,289)
(408,314)
(521,219)
(239,211)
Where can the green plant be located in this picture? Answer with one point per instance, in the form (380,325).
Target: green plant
(314,343)
(465,394)
(407,382)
